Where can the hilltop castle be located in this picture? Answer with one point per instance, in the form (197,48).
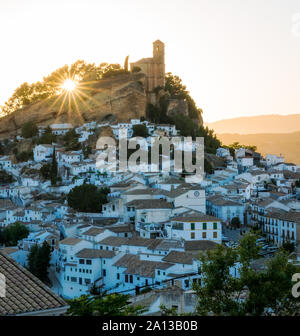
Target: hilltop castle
(153,67)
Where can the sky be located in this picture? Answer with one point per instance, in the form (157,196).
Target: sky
(236,57)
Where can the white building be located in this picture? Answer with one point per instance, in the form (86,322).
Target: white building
(42,153)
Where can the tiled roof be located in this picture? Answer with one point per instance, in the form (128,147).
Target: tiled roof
(196,216)
(93,253)
(24,292)
(150,204)
(70,241)
(199,245)
(178,257)
(94,231)
(144,268)
(113,241)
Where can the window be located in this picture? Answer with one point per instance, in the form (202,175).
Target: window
(89,262)
(118,276)
(203,235)
(204,226)
(186,283)
(81,261)
(158,272)
(73,279)
(192,235)
(215,226)
(131,279)
(104,272)
(192,226)
(87,281)
(103,261)
(215,234)
(126,277)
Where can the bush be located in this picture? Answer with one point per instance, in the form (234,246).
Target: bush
(24,156)
(140,130)
(5,177)
(235,222)
(29,130)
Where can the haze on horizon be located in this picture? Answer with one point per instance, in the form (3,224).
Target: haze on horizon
(237,58)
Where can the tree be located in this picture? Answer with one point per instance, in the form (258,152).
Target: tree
(71,140)
(24,156)
(29,129)
(47,137)
(13,233)
(5,177)
(87,198)
(53,170)
(235,222)
(288,247)
(45,171)
(103,305)
(140,131)
(267,292)
(39,261)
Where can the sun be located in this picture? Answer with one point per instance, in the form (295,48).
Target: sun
(69,85)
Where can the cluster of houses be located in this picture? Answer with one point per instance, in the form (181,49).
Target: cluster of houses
(154,225)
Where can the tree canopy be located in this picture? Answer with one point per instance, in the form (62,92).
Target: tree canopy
(87,198)
(253,293)
(103,305)
(13,233)
(39,261)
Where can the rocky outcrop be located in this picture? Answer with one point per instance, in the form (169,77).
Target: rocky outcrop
(177,106)
(122,97)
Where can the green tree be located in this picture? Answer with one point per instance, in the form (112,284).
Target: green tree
(140,131)
(39,261)
(13,233)
(87,198)
(235,222)
(53,170)
(47,137)
(5,177)
(45,171)
(71,140)
(29,129)
(266,292)
(103,305)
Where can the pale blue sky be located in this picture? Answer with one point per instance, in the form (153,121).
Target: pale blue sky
(237,57)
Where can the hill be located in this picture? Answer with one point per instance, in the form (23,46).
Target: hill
(119,98)
(288,144)
(258,124)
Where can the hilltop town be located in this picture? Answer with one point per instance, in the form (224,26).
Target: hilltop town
(144,233)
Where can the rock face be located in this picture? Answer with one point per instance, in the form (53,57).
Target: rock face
(122,97)
(177,106)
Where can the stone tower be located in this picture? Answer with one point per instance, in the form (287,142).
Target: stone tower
(153,67)
(159,63)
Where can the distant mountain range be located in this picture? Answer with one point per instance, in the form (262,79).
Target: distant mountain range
(273,134)
(287,144)
(271,123)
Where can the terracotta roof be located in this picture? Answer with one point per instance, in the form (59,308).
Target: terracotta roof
(70,241)
(150,204)
(24,292)
(93,254)
(196,217)
(199,245)
(178,257)
(94,231)
(144,268)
